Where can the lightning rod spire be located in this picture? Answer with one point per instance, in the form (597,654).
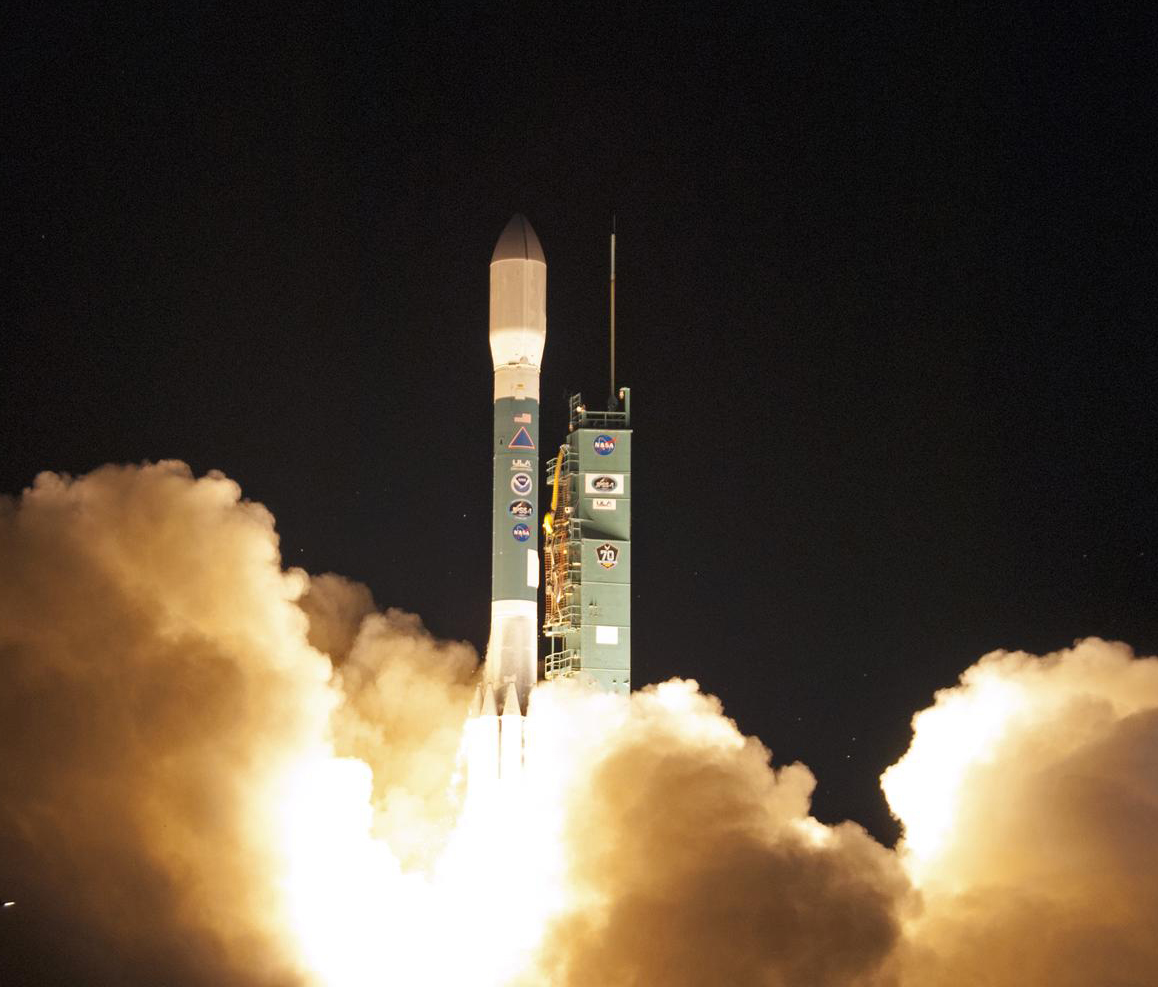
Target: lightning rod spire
(612,403)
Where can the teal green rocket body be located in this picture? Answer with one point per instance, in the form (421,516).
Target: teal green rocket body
(515,528)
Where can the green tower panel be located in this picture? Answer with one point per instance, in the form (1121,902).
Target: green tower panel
(588,557)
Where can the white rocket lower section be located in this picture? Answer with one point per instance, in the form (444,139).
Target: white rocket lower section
(495,742)
(495,745)
(512,652)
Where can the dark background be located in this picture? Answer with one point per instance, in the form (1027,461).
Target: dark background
(885,304)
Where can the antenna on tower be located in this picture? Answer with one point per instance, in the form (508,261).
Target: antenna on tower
(613,402)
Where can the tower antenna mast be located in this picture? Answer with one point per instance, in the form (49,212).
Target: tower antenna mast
(613,403)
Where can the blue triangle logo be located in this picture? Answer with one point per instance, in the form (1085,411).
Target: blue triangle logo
(522,439)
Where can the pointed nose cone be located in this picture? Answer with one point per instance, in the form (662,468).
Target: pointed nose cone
(518,319)
(518,242)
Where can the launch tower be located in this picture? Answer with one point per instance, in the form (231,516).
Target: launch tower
(587,549)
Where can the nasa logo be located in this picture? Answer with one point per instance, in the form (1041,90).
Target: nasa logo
(521,484)
(605,484)
(605,444)
(521,508)
(607,554)
(521,532)
(520,464)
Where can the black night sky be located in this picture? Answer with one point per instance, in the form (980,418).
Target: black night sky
(885,291)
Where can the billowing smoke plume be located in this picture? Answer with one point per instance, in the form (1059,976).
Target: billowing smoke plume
(156,679)
(159,695)
(214,771)
(406,698)
(1030,803)
(692,861)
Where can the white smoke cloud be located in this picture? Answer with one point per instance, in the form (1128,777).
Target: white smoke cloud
(1029,799)
(692,861)
(406,702)
(156,678)
(215,771)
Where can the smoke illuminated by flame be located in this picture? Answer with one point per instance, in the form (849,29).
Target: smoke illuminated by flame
(220,772)
(925,788)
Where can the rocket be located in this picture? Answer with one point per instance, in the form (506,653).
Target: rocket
(518,332)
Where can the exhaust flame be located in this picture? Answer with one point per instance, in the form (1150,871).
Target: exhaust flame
(216,771)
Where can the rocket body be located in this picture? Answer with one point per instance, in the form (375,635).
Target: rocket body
(518,333)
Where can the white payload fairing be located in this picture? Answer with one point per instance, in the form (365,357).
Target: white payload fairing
(518,333)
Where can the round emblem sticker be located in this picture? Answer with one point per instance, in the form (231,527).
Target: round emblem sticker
(521,532)
(605,444)
(521,484)
(607,554)
(521,508)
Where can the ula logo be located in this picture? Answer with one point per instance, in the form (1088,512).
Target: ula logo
(521,532)
(520,464)
(605,444)
(605,484)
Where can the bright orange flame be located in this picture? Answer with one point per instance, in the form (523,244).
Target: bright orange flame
(359,918)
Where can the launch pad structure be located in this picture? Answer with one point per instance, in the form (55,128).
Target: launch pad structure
(587,549)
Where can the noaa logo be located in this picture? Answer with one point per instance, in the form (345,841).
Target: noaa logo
(605,444)
(521,532)
(521,484)
(521,508)
(607,554)
(605,484)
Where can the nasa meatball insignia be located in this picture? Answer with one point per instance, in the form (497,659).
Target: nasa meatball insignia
(604,444)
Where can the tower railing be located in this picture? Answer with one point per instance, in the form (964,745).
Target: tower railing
(582,417)
(570,464)
(562,663)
